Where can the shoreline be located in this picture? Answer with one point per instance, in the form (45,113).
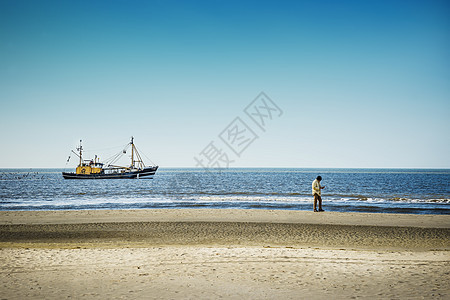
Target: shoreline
(227,227)
(13,217)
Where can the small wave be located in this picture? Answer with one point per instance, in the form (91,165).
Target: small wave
(252,198)
(395,200)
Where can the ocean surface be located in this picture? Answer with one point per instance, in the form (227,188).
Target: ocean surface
(412,191)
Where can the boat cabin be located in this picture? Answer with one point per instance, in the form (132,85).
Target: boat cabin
(90,167)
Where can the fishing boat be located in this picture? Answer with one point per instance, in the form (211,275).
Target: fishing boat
(94,169)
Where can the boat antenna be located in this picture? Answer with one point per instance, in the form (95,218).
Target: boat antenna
(80,149)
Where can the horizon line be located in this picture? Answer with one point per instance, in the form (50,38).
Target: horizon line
(231,168)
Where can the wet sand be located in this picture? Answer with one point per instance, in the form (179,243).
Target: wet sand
(209,254)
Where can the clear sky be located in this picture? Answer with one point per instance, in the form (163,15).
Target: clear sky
(359,83)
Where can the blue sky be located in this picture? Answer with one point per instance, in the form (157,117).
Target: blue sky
(360,83)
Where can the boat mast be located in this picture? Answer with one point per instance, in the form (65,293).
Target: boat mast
(80,149)
(132,152)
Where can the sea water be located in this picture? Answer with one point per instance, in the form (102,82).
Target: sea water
(415,191)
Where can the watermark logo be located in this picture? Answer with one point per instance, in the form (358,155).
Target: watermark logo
(262,110)
(239,135)
(212,157)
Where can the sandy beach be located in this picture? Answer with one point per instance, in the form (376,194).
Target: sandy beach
(210,254)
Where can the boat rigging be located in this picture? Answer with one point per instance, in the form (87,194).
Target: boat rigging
(94,169)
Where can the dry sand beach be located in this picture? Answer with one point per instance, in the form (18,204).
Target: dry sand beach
(209,254)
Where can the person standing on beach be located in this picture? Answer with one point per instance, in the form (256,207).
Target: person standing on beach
(317,192)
